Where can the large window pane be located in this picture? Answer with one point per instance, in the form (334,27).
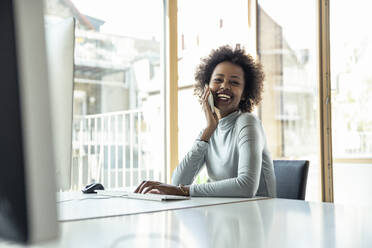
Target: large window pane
(289,112)
(117,123)
(351,59)
(210,25)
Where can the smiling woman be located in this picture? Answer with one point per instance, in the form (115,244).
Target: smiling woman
(227,85)
(245,70)
(233,144)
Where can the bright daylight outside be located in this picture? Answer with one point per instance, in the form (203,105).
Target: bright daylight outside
(197,36)
(287,49)
(289,111)
(118,82)
(118,136)
(351,59)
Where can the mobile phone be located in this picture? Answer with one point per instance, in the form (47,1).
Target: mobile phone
(210,101)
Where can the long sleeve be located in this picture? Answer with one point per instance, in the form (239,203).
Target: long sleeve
(190,164)
(249,141)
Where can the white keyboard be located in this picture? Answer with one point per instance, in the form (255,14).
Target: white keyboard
(151,197)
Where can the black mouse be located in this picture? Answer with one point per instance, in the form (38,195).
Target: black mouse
(90,188)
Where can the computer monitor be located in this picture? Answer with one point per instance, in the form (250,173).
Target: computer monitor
(27,171)
(60,38)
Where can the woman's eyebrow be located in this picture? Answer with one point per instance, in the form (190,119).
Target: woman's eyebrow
(222,75)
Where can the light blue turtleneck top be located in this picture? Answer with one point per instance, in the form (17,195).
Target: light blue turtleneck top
(237,159)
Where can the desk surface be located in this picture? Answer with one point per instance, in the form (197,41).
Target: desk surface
(74,206)
(263,223)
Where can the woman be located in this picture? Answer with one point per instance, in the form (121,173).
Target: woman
(233,145)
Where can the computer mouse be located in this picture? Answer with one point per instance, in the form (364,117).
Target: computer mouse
(90,188)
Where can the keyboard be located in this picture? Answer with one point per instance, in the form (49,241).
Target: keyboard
(150,197)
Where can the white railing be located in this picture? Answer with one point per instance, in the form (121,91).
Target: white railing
(111,149)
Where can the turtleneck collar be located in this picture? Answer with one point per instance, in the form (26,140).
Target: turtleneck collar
(228,121)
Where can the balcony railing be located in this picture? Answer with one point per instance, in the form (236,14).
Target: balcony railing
(112,149)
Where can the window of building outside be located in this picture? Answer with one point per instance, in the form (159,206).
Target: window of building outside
(210,25)
(287,48)
(351,84)
(118,83)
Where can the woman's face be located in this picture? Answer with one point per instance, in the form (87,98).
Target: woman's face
(227,85)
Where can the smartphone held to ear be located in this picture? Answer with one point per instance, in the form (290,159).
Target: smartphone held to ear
(210,101)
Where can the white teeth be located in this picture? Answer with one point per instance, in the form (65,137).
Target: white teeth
(224,96)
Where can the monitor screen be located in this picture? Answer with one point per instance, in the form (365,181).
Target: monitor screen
(27,172)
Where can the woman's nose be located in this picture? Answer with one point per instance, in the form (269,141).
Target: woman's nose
(225,85)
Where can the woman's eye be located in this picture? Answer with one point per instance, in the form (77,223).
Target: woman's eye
(235,82)
(218,80)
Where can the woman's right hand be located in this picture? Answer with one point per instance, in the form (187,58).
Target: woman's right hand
(212,119)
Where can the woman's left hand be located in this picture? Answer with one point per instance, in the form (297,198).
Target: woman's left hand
(154,187)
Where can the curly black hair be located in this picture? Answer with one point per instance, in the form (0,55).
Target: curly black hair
(253,74)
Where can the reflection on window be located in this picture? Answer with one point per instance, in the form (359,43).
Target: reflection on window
(117,138)
(289,112)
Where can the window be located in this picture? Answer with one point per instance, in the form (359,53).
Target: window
(351,84)
(210,25)
(118,84)
(287,49)
(118,127)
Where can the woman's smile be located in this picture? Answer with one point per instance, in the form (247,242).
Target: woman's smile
(223,96)
(227,85)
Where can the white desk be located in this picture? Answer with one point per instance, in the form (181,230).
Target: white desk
(78,206)
(263,223)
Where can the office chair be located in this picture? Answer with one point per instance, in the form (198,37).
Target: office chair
(291,178)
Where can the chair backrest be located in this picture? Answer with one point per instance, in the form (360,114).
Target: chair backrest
(291,178)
